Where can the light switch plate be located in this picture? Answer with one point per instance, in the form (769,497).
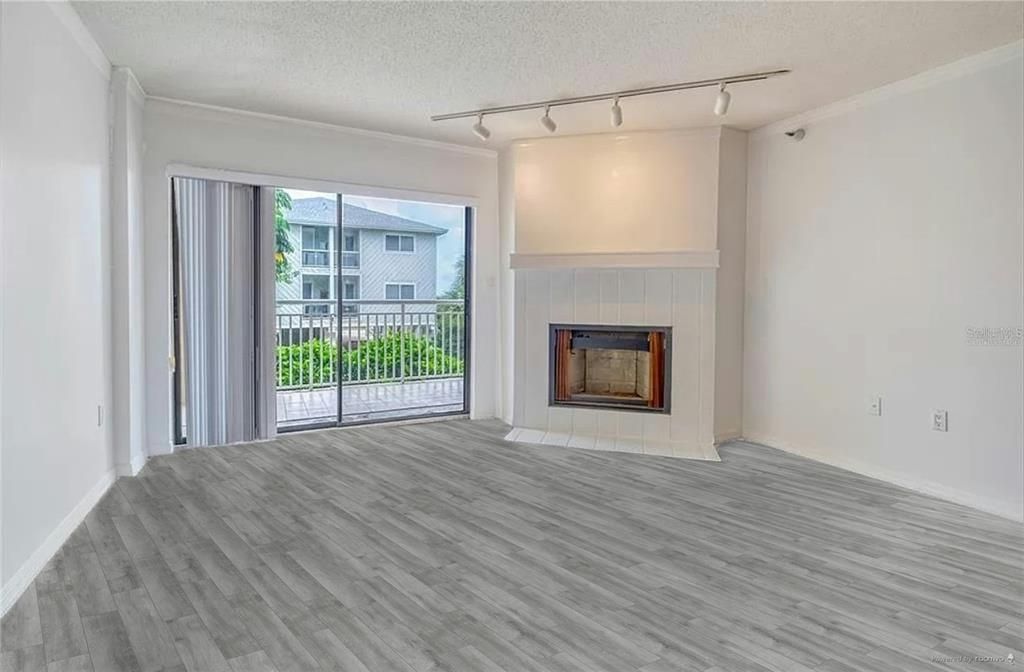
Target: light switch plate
(875,406)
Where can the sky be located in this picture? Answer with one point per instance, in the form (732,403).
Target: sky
(450,246)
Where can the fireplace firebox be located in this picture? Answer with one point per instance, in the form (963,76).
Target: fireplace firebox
(603,366)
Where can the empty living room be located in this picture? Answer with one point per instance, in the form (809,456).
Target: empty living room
(525,336)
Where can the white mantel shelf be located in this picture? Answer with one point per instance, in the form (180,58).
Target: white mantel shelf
(678,259)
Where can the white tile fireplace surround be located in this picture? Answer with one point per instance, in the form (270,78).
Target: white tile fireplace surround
(662,294)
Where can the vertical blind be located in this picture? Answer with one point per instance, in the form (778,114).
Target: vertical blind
(217,232)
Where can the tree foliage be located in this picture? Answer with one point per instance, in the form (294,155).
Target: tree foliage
(282,237)
(458,287)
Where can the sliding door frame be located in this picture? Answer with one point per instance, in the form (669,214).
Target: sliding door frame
(338,284)
(468,221)
(178,358)
(274,181)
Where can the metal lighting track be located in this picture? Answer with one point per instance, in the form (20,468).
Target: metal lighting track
(611,95)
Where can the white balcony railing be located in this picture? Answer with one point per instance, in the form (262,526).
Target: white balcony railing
(386,341)
(317,258)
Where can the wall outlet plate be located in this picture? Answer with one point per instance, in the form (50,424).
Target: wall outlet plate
(940,421)
(875,406)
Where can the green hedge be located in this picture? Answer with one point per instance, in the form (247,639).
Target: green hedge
(384,358)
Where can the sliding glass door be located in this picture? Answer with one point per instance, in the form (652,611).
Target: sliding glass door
(372,309)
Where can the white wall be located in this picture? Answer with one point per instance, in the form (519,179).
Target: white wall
(229,140)
(634,192)
(55,309)
(128,415)
(873,245)
(506,281)
(732,242)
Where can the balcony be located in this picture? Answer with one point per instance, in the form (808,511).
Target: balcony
(316,258)
(394,358)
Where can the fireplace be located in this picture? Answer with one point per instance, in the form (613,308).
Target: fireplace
(615,367)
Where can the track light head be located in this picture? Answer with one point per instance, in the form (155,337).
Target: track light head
(479,130)
(722,101)
(616,113)
(797,135)
(547,122)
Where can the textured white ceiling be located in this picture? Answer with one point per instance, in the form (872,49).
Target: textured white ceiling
(389,66)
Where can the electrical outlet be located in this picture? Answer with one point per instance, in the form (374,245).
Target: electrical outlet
(940,421)
(875,406)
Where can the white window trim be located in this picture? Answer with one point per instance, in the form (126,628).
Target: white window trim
(399,284)
(302,238)
(302,286)
(355,234)
(400,236)
(358,283)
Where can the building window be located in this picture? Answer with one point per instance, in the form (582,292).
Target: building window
(316,288)
(396,243)
(315,242)
(350,249)
(399,291)
(349,292)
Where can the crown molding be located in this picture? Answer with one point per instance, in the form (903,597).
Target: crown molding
(924,80)
(321,125)
(67,15)
(131,84)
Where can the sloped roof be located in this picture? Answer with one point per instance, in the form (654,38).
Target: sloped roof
(322,211)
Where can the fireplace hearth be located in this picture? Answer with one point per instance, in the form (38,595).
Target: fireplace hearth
(605,366)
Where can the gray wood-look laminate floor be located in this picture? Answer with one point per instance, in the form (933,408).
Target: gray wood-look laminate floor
(441,547)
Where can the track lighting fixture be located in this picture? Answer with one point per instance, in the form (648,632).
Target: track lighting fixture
(547,122)
(797,135)
(479,130)
(616,113)
(722,101)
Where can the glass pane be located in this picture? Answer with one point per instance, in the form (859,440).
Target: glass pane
(408,292)
(391,292)
(307,326)
(391,243)
(408,243)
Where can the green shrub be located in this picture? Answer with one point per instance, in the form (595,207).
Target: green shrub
(303,363)
(386,358)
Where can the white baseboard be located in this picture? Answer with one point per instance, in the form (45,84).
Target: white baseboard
(955,495)
(727,435)
(27,573)
(133,468)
